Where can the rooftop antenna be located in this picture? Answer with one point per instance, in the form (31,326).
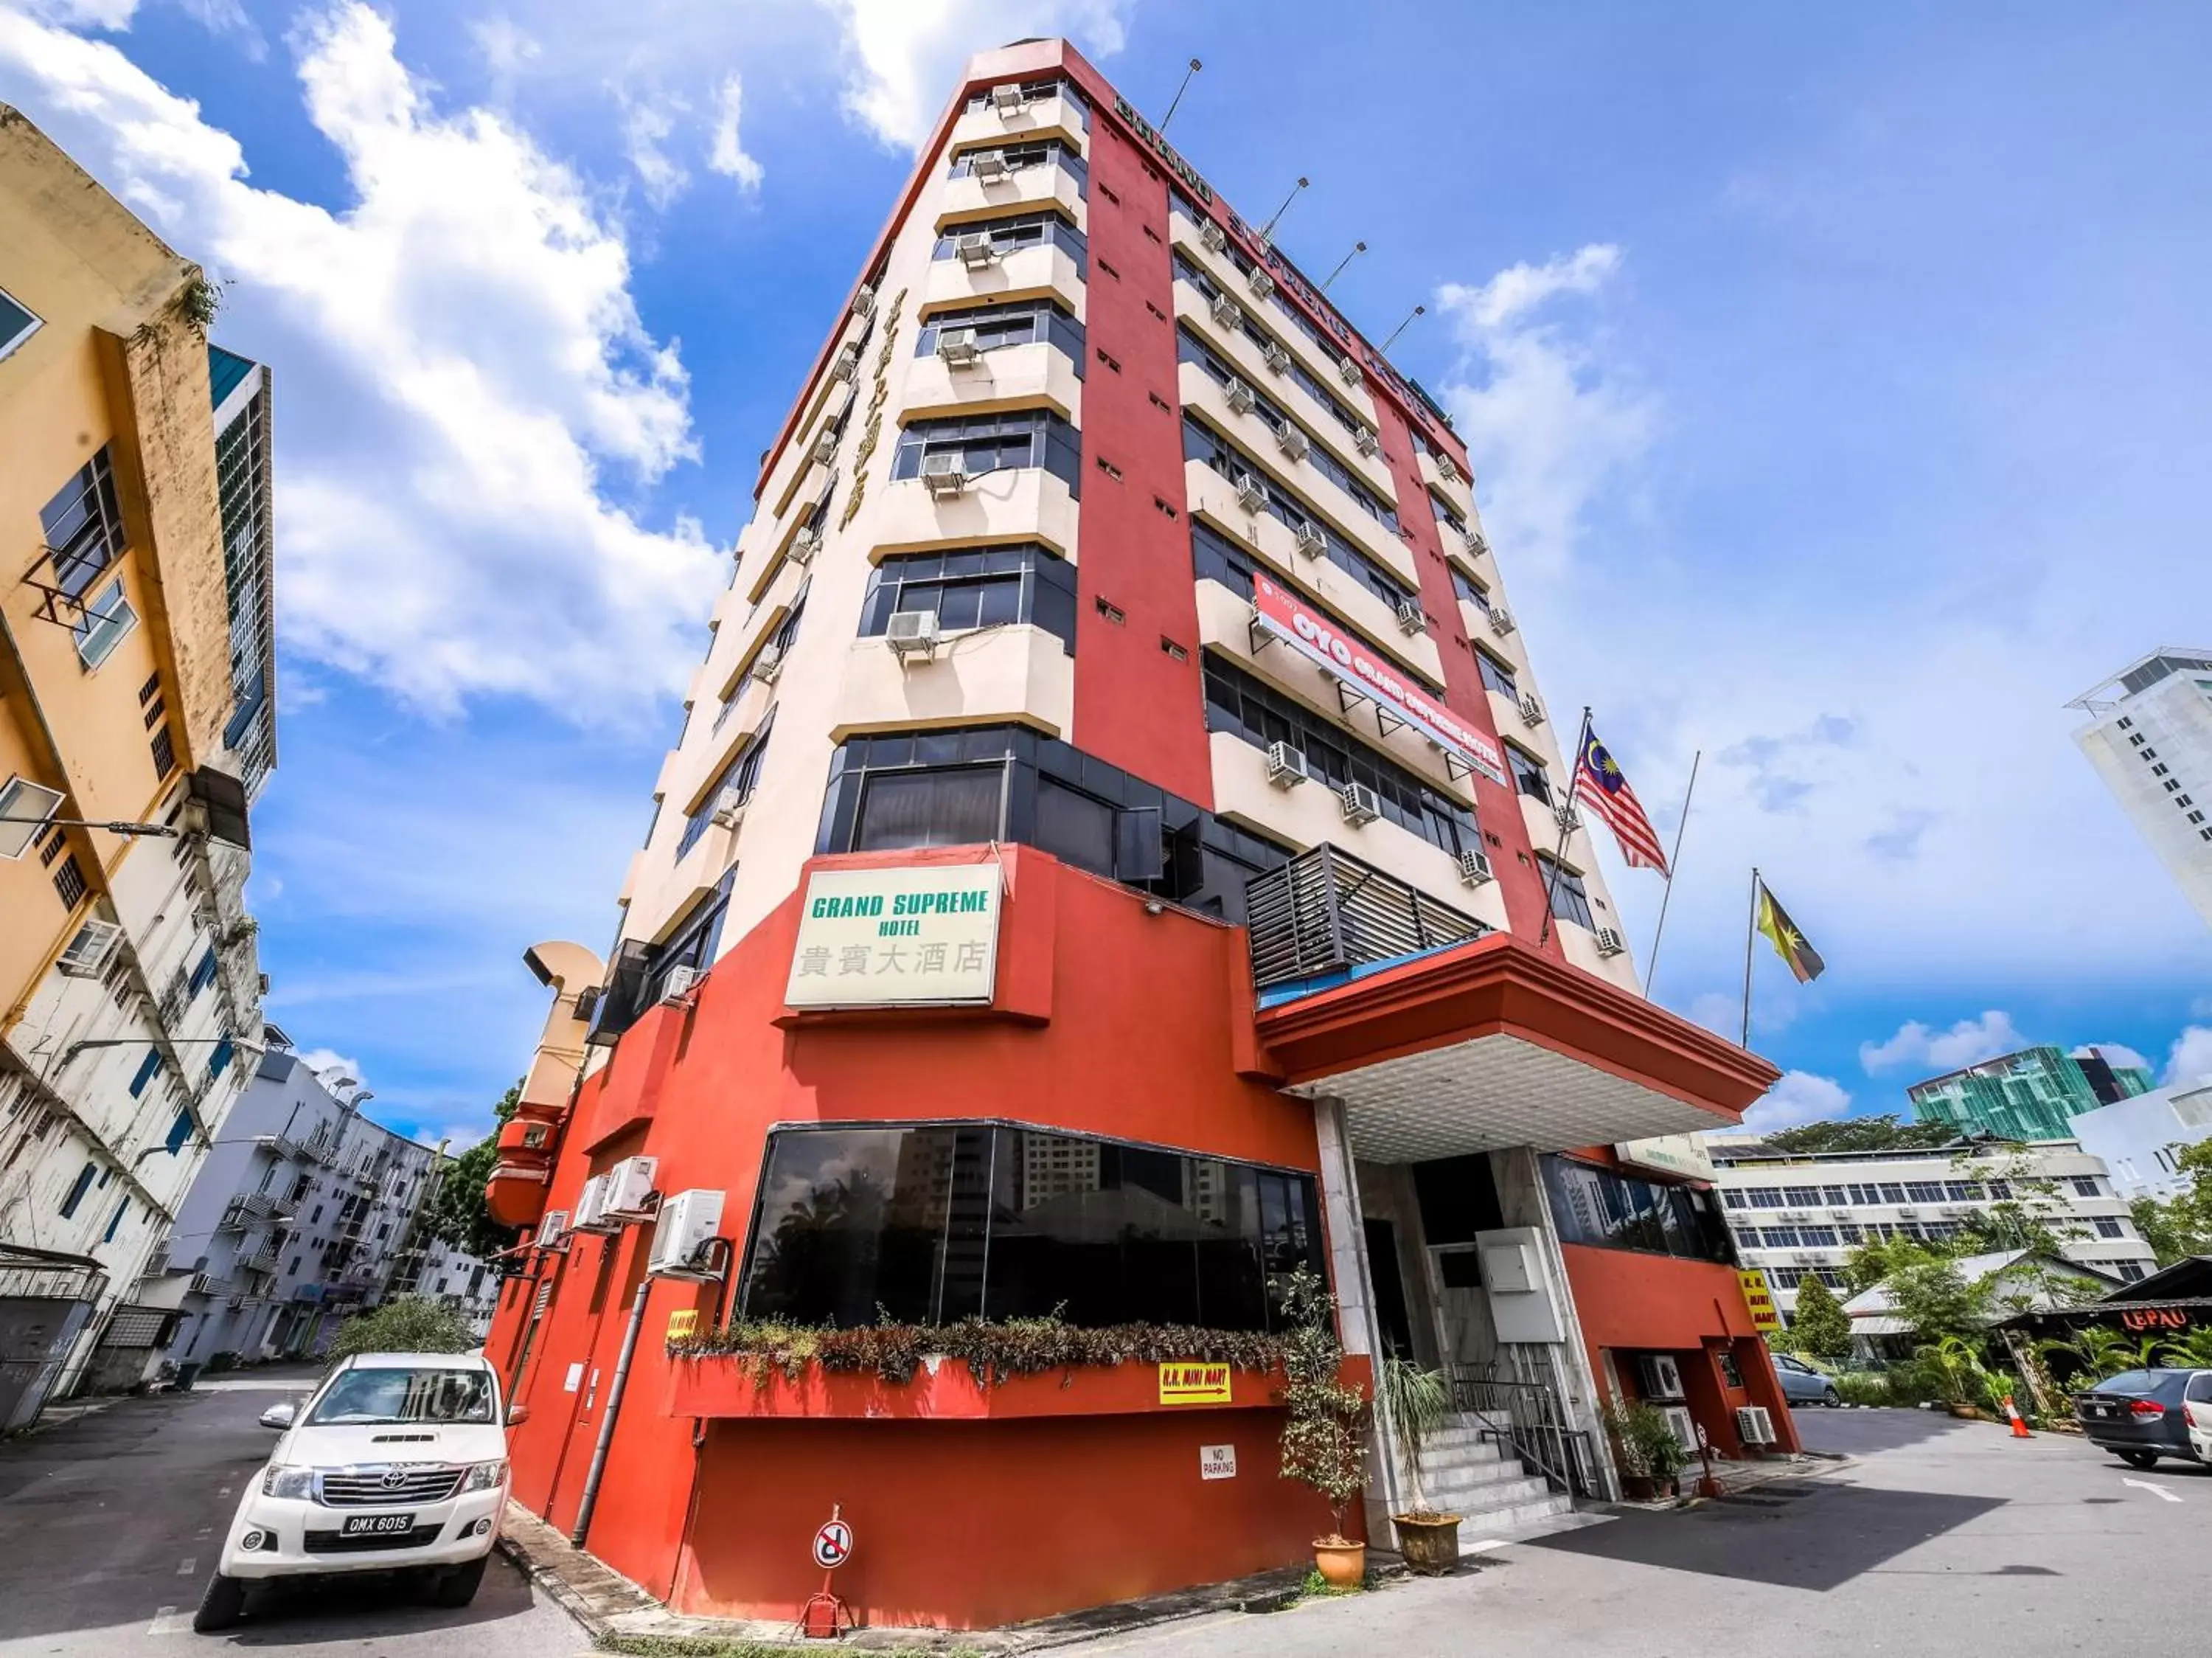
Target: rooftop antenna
(1194,67)
(1267,229)
(1358,248)
(1417,311)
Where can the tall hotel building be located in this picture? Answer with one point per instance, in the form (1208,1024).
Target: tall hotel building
(2149,736)
(1103,868)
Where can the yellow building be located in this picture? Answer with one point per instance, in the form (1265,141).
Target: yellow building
(136,681)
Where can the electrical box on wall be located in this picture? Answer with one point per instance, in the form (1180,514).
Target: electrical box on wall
(1524,1305)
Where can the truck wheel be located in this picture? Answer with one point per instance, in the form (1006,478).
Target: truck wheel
(2138,1459)
(220,1603)
(458,1587)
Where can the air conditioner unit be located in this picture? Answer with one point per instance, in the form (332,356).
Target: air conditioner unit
(1445,469)
(1262,283)
(1348,371)
(1293,441)
(1238,395)
(90,951)
(976,250)
(1684,1424)
(1532,711)
(1476,542)
(1754,1425)
(1277,359)
(912,633)
(555,1222)
(1501,620)
(1662,1376)
(1566,817)
(1286,765)
(679,982)
(958,347)
(1007,99)
(990,166)
(1610,942)
(864,302)
(1213,236)
(767,664)
(729,811)
(1364,441)
(1412,618)
(592,1207)
(825,448)
(629,1189)
(846,362)
(1252,495)
(1227,312)
(1311,541)
(1474,868)
(685,1223)
(945,473)
(1360,804)
(804,545)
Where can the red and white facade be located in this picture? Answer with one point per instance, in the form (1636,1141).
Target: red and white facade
(1103,571)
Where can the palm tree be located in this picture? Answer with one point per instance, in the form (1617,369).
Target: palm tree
(2191,1352)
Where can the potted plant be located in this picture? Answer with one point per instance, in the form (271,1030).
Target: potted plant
(1651,1458)
(1325,1433)
(1417,1402)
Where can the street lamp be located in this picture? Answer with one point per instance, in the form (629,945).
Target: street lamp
(113,826)
(1358,248)
(1267,229)
(1417,311)
(1194,67)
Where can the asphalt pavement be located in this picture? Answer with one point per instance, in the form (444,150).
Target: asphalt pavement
(109,1523)
(1936,1536)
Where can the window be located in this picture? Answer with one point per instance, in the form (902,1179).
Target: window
(219,1059)
(1245,707)
(1924,1191)
(2109,1227)
(1597,1206)
(203,972)
(2137,739)
(1023,322)
(1528,774)
(692,945)
(1569,898)
(2000,1190)
(2129,1271)
(106,617)
(1835,1196)
(83,527)
(115,1220)
(733,786)
(1038,91)
(933,1223)
(1469,589)
(1892,1192)
(975,586)
(1036,152)
(1010,235)
(1188,270)
(1217,555)
(1817,1237)
(1864,1194)
(2085,1186)
(69,882)
(1767,1196)
(1732,1196)
(2159,770)
(996,443)
(1496,676)
(929,808)
(21,798)
(148,1067)
(1805,1195)
(1189,348)
(1779,1237)
(180,1131)
(164,750)
(17,324)
(82,1184)
(1447,516)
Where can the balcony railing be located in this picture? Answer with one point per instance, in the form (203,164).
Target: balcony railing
(207,1283)
(1325,913)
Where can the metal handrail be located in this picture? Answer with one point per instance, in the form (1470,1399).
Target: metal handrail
(1326,911)
(1529,1417)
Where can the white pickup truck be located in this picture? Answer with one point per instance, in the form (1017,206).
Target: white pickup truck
(398,1463)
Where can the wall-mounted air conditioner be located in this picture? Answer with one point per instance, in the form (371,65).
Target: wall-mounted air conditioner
(1293,441)
(1360,804)
(805,546)
(989,166)
(912,633)
(678,983)
(864,302)
(1476,542)
(1532,711)
(767,664)
(1661,1376)
(592,1207)
(1412,618)
(958,347)
(1286,765)
(1226,312)
(976,250)
(1238,395)
(1754,1425)
(945,473)
(1213,236)
(680,1231)
(89,950)
(1262,283)
(729,809)
(1684,1424)
(825,448)
(1501,620)
(1364,441)
(1008,100)
(1566,817)
(629,1189)
(1252,495)
(847,361)
(1309,540)
(1445,469)
(1348,370)
(550,1229)
(1277,359)
(1610,942)
(1474,867)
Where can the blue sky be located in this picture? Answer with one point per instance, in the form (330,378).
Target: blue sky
(1836,387)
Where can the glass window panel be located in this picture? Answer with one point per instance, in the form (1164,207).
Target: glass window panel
(929,808)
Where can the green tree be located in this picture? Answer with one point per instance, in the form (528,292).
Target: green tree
(408,1325)
(1933,1297)
(2181,1226)
(455,1214)
(1820,1325)
(1882,1133)
(1877,1260)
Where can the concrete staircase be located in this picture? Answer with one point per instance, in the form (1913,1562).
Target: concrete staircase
(1495,1497)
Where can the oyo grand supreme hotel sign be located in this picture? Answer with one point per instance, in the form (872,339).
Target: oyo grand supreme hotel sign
(888,938)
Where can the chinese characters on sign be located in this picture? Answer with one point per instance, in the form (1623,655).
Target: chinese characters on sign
(1186,1381)
(879,938)
(1764,1316)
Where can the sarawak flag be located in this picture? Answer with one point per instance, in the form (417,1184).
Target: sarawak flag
(1788,943)
(1600,785)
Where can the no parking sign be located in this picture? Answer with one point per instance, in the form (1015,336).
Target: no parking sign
(833,1544)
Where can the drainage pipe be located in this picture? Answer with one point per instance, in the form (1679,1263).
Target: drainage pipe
(598,1467)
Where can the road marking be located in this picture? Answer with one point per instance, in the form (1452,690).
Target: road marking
(2155,1491)
(167,1620)
(185,1567)
(224,1492)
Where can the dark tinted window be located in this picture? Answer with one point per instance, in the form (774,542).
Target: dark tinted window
(930,809)
(1017,231)
(2139,1382)
(1023,322)
(975,586)
(1592,1205)
(997,442)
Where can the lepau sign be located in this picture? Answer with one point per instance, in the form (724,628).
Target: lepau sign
(1315,636)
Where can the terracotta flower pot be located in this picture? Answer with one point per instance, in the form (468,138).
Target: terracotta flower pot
(1342,1565)
(1430,1542)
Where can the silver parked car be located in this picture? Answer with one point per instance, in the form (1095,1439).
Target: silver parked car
(1803,1385)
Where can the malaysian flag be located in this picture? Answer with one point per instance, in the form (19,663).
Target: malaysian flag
(1600,785)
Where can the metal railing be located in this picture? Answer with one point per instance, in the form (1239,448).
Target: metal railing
(1528,1418)
(1325,913)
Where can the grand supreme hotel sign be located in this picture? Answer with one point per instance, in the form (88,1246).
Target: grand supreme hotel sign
(892,938)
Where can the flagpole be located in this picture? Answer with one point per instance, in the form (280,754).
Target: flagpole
(1566,806)
(1750,932)
(1673,863)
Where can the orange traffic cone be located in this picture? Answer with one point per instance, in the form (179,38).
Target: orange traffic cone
(2019,1427)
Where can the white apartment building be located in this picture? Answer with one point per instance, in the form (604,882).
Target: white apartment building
(2149,736)
(2138,1138)
(1791,1215)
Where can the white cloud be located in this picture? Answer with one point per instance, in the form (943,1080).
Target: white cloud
(1967,1043)
(902,55)
(84,13)
(646,127)
(1799,1098)
(458,361)
(728,155)
(507,51)
(1549,423)
(2191,1059)
(2113,1053)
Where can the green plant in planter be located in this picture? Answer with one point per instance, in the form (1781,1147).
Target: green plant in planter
(1649,1449)
(1417,1401)
(1325,1433)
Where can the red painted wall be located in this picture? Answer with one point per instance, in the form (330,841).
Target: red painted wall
(1136,705)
